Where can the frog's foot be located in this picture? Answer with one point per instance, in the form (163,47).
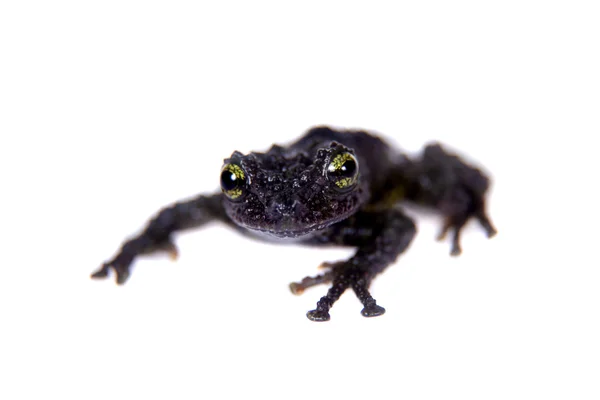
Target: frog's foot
(456,223)
(344,275)
(457,190)
(122,262)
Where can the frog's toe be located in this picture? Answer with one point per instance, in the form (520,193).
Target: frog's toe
(330,265)
(486,223)
(296,288)
(372,310)
(121,271)
(102,272)
(456,224)
(122,276)
(455,250)
(318,315)
(310,281)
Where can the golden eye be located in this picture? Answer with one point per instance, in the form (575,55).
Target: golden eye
(233,180)
(343,170)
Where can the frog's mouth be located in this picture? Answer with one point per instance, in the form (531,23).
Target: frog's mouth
(290,216)
(289,228)
(284,235)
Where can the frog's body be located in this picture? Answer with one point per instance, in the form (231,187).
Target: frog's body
(328,188)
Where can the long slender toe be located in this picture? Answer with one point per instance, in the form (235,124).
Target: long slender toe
(487,226)
(372,311)
(296,288)
(122,276)
(455,250)
(318,316)
(102,272)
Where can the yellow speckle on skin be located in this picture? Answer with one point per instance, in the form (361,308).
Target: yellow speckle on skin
(393,197)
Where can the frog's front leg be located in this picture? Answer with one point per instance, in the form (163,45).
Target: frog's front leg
(157,236)
(381,236)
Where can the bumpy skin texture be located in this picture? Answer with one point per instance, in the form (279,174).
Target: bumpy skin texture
(327,188)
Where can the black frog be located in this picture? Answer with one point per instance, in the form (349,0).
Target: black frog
(330,187)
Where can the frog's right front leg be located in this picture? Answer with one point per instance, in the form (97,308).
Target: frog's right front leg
(157,236)
(380,237)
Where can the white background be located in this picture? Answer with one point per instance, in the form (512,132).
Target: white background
(110,110)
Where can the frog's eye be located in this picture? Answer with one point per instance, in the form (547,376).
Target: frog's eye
(233,181)
(343,171)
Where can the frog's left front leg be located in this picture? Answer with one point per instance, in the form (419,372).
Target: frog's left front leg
(380,237)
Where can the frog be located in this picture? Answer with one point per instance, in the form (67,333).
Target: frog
(330,187)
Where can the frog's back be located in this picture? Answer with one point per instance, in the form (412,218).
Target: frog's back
(362,142)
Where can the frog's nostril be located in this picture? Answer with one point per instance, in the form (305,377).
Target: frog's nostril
(277,208)
(299,208)
(285,207)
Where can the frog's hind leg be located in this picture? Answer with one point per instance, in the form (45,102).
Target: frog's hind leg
(381,236)
(445,182)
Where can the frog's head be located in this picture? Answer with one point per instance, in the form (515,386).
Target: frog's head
(287,193)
